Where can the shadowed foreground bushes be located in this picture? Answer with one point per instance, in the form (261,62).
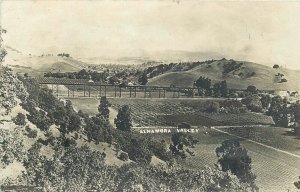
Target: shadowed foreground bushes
(80,169)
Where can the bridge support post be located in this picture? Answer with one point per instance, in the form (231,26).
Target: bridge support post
(84,90)
(115,91)
(130,92)
(68,91)
(89,91)
(73,90)
(120,90)
(57,90)
(134,91)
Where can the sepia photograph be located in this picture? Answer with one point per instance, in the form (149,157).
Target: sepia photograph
(149,96)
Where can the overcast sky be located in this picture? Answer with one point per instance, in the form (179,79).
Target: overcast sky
(264,32)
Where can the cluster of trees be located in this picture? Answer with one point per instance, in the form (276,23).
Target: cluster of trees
(45,110)
(86,171)
(154,71)
(231,66)
(20,119)
(180,141)
(63,55)
(3,52)
(205,87)
(123,120)
(143,79)
(283,113)
(82,74)
(233,157)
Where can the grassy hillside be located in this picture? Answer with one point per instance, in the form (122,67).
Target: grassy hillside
(38,64)
(241,76)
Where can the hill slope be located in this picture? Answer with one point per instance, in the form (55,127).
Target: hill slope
(40,64)
(238,75)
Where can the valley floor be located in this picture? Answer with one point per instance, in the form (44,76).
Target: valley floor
(275,170)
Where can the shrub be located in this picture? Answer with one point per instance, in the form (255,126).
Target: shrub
(123,119)
(213,107)
(20,119)
(233,157)
(184,125)
(123,156)
(31,133)
(41,141)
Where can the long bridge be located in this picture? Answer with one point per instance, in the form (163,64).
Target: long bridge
(71,88)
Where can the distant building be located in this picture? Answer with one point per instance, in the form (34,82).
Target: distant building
(282,93)
(294,94)
(130,84)
(90,80)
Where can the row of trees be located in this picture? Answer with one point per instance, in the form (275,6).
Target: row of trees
(206,88)
(82,74)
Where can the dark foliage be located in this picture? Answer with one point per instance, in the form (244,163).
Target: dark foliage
(123,119)
(20,119)
(103,108)
(232,156)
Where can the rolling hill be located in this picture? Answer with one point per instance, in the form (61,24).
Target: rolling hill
(238,74)
(39,64)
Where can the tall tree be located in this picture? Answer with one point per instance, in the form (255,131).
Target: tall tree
(232,156)
(251,89)
(123,119)
(103,108)
(265,101)
(217,89)
(253,103)
(280,111)
(143,79)
(204,85)
(223,89)
(2,50)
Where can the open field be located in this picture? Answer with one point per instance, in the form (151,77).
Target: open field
(263,76)
(275,171)
(278,137)
(170,112)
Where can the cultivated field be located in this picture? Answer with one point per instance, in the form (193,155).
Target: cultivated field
(170,112)
(278,137)
(275,170)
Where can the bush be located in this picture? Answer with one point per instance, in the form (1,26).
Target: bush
(213,107)
(20,119)
(31,133)
(43,142)
(233,157)
(184,125)
(123,156)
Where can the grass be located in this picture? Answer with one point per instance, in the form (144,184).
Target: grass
(170,112)
(275,171)
(263,78)
(277,137)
